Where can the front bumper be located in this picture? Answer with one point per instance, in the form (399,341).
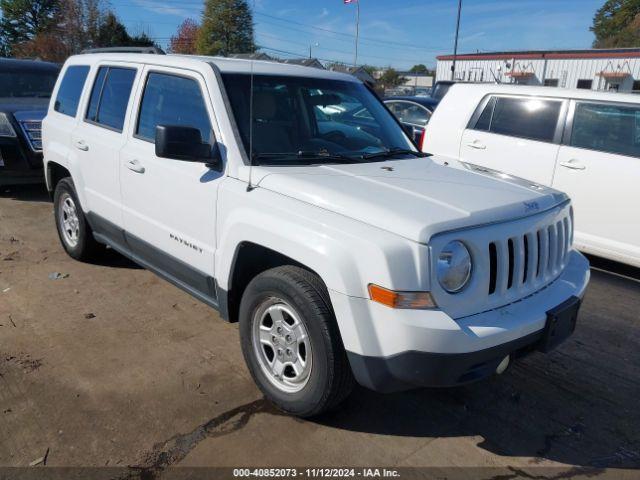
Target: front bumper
(18,163)
(391,350)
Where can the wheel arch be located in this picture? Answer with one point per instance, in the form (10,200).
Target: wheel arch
(249,260)
(53,174)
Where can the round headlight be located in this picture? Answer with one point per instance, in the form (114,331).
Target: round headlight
(454,266)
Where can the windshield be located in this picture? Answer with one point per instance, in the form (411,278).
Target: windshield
(313,118)
(27,84)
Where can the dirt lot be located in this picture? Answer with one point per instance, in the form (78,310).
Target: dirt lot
(108,365)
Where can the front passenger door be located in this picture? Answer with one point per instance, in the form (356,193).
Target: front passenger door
(169,206)
(516,135)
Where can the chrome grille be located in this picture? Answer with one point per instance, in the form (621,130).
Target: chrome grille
(33,132)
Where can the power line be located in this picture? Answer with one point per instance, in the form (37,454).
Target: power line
(344,40)
(320,47)
(382,43)
(335,32)
(388,59)
(365,40)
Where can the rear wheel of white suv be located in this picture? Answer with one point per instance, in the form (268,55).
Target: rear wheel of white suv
(291,343)
(73,229)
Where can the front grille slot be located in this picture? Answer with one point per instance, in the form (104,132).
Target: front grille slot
(33,132)
(526,258)
(511,264)
(529,258)
(493,267)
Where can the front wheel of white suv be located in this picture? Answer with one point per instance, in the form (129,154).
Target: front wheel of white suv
(73,229)
(291,343)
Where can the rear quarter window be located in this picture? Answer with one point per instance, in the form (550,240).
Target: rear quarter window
(68,96)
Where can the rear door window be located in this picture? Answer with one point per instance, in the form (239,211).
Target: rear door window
(172,100)
(484,120)
(110,96)
(92,110)
(607,128)
(70,90)
(532,118)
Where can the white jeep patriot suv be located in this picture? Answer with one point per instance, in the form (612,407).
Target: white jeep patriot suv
(291,200)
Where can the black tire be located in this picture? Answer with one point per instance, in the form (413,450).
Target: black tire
(330,380)
(86,248)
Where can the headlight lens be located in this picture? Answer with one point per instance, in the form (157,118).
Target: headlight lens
(454,266)
(6,130)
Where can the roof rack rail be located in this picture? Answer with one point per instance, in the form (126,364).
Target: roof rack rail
(152,50)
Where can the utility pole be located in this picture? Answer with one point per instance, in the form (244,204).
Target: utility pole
(455,45)
(355,61)
(316,44)
(357,2)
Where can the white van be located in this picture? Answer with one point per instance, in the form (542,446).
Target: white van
(582,142)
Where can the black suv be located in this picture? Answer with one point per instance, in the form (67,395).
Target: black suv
(25,89)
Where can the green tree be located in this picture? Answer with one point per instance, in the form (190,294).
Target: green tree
(141,40)
(617,24)
(93,12)
(227,27)
(111,33)
(391,78)
(22,20)
(370,69)
(419,68)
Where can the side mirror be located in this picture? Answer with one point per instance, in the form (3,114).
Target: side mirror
(185,143)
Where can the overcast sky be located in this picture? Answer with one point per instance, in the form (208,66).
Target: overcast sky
(392,33)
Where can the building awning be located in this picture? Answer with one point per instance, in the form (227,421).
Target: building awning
(613,75)
(520,74)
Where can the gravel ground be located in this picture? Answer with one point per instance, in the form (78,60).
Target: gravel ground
(107,365)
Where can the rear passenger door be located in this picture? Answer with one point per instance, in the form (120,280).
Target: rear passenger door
(169,206)
(599,167)
(61,119)
(97,141)
(516,135)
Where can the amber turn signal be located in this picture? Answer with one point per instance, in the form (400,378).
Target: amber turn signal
(393,299)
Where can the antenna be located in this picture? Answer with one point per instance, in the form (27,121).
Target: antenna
(250,184)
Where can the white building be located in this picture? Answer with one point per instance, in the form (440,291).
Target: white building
(417,80)
(607,69)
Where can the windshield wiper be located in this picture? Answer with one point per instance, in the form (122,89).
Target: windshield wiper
(392,152)
(305,157)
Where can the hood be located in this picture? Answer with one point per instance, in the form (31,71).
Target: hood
(11,104)
(414,198)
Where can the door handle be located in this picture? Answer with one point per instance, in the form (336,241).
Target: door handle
(573,165)
(135,166)
(81,145)
(477,145)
